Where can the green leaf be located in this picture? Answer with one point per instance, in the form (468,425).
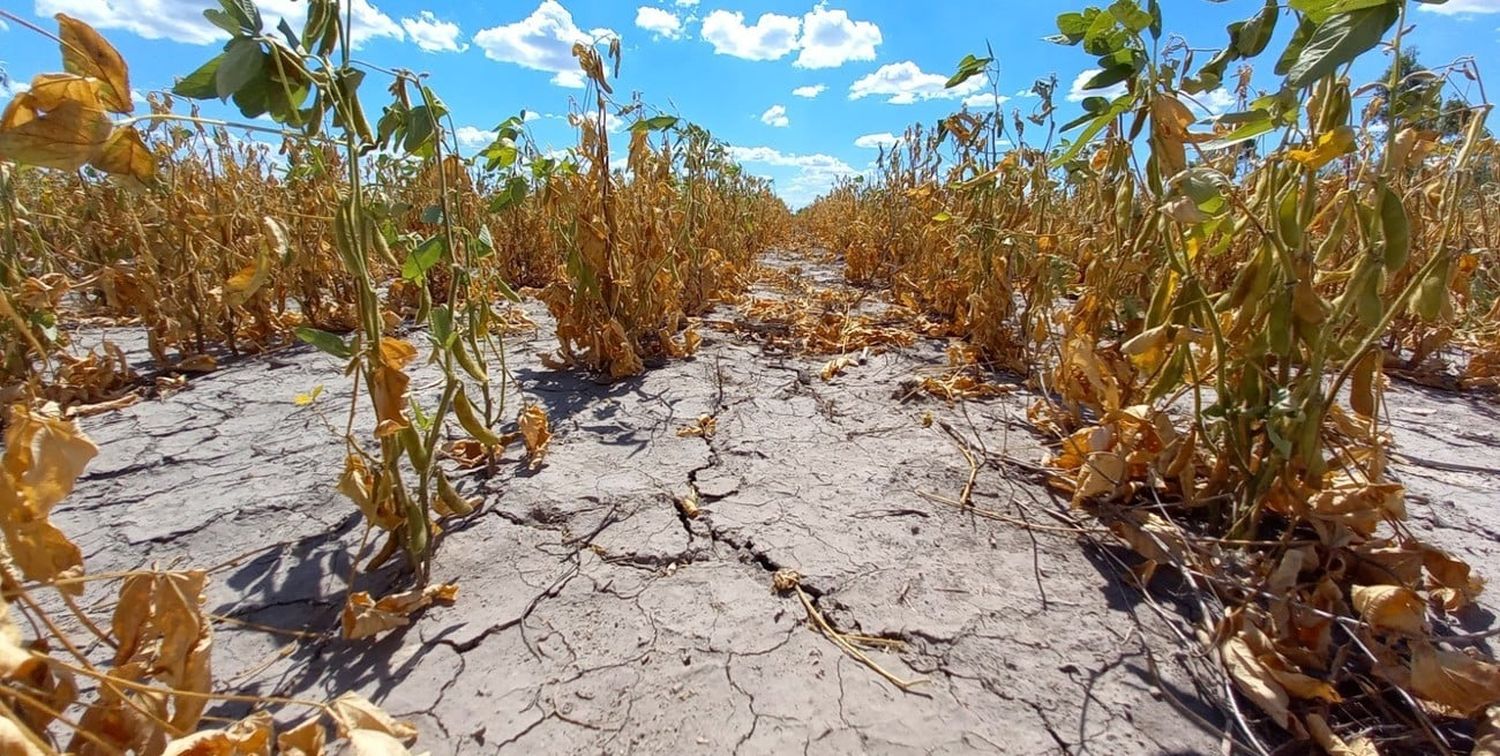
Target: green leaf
(1252,37)
(1110,77)
(506,291)
(433,215)
(324,341)
(243,63)
(513,193)
(1295,46)
(1130,15)
(418,129)
(1341,39)
(968,68)
(245,13)
(421,259)
(659,123)
(485,241)
(201,84)
(1072,27)
(1396,228)
(442,326)
(223,21)
(1249,130)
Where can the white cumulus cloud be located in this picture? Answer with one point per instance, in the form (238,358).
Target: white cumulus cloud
(875,141)
(905,83)
(1456,7)
(771,37)
(825,38)
(432,34)
(813,174)
(471,137)
(986,100)
(776,116)
(810,91)
(183,21)
(830,39)
(543,41)
(659,22)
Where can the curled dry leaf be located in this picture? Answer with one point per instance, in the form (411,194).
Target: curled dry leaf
(388,388)
(374,743)
(373,500)
(1452,582)
(126,155)
(1323,735)
(1266,677)
(250,736)
(86,53)
(43,458)
(365,617)
(1455,681)
(48,128)
(243,285)
(704,427)
(1391,607)
(306,739)
(352,712)
(198,363)
(535,433)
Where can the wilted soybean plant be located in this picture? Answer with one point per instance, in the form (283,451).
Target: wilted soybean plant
(300,81)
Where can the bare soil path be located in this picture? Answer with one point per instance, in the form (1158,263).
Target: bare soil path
(594,617)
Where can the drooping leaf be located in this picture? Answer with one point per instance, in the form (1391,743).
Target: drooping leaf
(201,84)
(86,53)
(125,155)
(244,62)
(1339,40)
(65,137)
(421,259)
(324,341)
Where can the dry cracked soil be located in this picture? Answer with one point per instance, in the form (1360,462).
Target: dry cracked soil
(594,617)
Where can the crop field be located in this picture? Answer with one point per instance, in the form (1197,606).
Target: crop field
(1091,423)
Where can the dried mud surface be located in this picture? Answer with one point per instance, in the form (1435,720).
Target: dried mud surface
(593,617)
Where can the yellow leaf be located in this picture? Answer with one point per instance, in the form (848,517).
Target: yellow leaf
(50,90)
(250,736)
(352,712)
(302,400)
(364,617)
(1391,607)
(305,739)
(1334,745)
(86,53)
(198,363)
(43,458)
(65,137)
(1254,680)
(205,743)
(242,285)
(1450,581)
(1102,473)
(373,743)
(1459,682)
(1331,145)
(125,155)
(535,433)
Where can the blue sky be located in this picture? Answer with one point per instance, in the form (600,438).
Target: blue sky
(804,91)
